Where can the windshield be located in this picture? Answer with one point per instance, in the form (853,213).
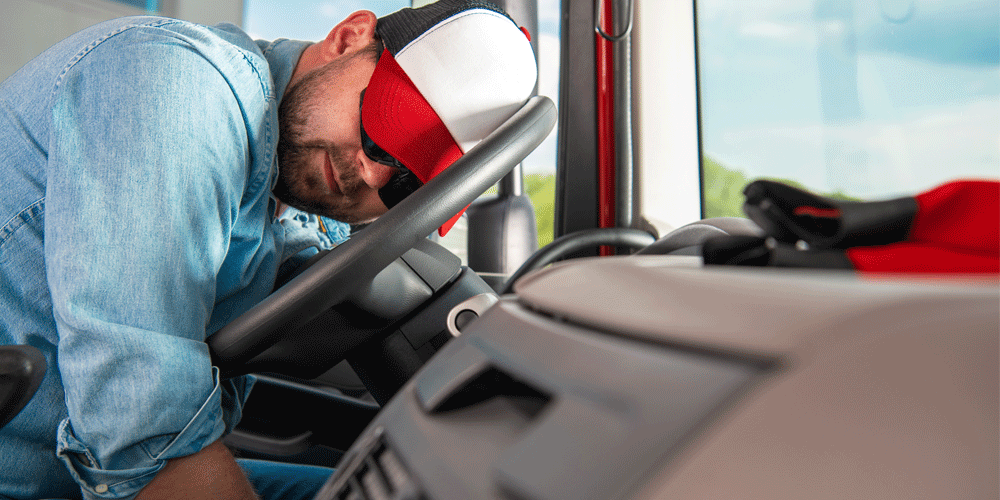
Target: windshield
(859,99)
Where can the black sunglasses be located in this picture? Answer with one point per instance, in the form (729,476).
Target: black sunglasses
(402,183)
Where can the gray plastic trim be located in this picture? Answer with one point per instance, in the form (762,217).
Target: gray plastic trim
(477,304)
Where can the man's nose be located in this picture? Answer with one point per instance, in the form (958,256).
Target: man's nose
(374,173)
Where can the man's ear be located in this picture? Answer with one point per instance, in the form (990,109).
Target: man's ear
(351,34)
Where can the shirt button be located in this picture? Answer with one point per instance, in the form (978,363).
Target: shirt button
(101,488)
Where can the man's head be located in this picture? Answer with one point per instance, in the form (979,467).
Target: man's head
(381,106)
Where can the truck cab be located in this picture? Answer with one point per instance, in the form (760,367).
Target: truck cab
(569,340)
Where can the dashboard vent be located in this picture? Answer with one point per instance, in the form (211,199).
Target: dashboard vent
(378,474)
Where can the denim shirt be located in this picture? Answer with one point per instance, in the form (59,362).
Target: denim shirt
(136,219)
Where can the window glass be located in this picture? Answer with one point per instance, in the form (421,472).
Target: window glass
(307,19)
(540,165)
(859,98)
(151,6)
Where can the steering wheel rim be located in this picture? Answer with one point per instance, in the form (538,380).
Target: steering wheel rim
(358,260)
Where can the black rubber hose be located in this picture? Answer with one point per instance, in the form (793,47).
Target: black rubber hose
(580,240)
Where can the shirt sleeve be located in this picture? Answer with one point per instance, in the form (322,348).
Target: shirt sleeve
(147,164)
(304,236)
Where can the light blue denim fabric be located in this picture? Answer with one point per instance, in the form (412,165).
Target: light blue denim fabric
(136,163)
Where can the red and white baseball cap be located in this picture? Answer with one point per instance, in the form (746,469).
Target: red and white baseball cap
(450,74)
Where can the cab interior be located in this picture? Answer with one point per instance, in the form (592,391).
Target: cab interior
(611,363)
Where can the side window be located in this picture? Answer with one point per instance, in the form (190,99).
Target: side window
(149,5)
(540,165)
(852,98)
(306,19)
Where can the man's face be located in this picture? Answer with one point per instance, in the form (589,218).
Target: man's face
(321,166)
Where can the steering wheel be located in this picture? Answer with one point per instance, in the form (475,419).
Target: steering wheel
(357,261)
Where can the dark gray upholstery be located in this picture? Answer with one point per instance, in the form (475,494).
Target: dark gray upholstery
(22,369)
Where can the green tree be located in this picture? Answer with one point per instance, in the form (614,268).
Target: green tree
(723,189)
(541,189)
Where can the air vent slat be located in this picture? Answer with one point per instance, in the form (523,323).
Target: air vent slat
(377,474)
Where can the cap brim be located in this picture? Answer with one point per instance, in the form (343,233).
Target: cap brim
(399,119)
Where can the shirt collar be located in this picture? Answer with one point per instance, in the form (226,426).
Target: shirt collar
(282,56)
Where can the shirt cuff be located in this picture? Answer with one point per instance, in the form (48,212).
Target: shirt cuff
(218,415)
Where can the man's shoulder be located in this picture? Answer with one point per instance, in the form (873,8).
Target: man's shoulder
(136,29)
(191,47)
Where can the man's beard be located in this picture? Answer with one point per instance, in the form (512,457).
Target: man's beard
(298,182)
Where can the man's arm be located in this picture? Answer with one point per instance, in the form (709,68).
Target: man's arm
(209,474)
(147,169)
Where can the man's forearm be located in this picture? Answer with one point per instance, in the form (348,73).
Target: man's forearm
(212,473)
